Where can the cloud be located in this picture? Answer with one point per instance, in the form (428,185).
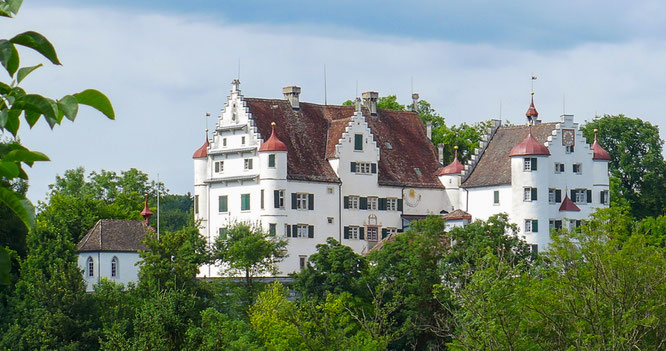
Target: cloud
(164,72)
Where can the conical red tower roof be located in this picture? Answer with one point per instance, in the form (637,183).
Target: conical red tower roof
(529,147)
(203,150)
(273,143)
(146,213)
(454,167)
(532,111)
(568,205)
(599,152)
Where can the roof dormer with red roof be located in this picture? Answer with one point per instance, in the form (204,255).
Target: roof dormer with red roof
(529,147)
(454,167)
(273,143)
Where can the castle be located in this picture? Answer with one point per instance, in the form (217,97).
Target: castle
(308,171)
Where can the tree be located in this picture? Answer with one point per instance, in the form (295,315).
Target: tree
(637,167)
(218,331)
(334,268)
(249,251)
(50,308)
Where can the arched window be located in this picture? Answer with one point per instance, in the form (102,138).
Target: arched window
(91,267)
(114,267)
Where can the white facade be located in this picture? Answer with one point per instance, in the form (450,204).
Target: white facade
(119,267)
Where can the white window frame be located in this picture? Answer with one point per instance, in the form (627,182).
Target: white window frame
(363,167)
(301,201)
(528,226)
(372,233)
(391,204)
(301,231)
(354,202)
(354,233)
(527,194)
(391,231)
(114,267)
(580,168)
(302,261)
(581,196)
(281,199)
(569,149)
(90,264)
(527,164)
(551,195)
(219,165)
(247,164)
(373,203)
(606,197)
(558,167)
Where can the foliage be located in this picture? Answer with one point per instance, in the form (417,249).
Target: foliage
(637,167)
(172,261)
(334,268)
(50,308)
(219,331)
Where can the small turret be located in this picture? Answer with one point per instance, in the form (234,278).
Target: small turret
(454,167)
(599,152)
(529,147)
(532,113)
(273,157)
(146,213)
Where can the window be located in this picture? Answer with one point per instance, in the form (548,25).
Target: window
(114,267)
(302,261)
(353,202)
(372,203)
(577,168)
(245,202)
(554,196)
(271,160)
(91,267)
(223,203)
(603,197)
(261,201)
(302,231)
(574,223)
(196,204)
(219,166)
(248,164)
(581,196)
(222,233)
(530,164)
(272,228)
(531,226)
(330,220)
(278,198)
(496,197)
(353,233)
(363,167)
(224,141)
(559,167)
(392,204)
(569,149)
(358,142)
(529,194)
(301,201)
(372,234)
(329,190)
(555,224)
(243,140)
(534,249)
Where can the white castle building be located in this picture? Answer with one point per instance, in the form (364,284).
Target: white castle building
(307,172)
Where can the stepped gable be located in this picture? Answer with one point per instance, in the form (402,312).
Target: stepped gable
(494,166)
(312,132)
(114,235)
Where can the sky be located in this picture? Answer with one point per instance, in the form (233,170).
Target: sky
(165,64)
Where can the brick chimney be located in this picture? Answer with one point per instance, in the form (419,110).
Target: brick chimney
(291,93)
(370,101)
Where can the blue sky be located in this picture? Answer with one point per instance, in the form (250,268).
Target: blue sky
(164,64)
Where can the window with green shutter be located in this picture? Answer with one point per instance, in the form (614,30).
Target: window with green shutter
(358,142)
(496,197)
(271,160)
(245,202)
(223,203)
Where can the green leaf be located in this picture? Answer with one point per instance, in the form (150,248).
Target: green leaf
(9,57)
(37,103)
(38,43)
(4,114)
(96,100)
(26,156)
(12,123)
(19,205)
(4,88)
(32,117)
(23,72)
(70,106)
(14,5)
(8,169)
(5,266)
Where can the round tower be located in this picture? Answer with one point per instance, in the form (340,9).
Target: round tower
(200,187)
(273,158)
(600,158)
(450,177)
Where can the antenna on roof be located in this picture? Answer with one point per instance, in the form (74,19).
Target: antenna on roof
(533,79)
(564,100)
(238,77)
(325,92)
(412,84)
(356,94)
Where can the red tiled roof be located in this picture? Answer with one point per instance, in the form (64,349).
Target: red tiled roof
(457,214)
(494,165)
(599,152)
(532,111)
(203,150)
(568,205)
(529,147)
(454,167)
(310,134)
(273,143)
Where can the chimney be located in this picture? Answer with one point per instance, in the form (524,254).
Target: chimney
(440,153)
(429,130)
(291,93)
(415,101)
(370,101)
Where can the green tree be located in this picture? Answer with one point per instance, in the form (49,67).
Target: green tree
(637,167)
(50,308)
(218,331)
(249,251)
(334,268)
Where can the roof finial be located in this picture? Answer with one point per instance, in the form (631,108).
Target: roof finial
(146,213)
(595,134)
(455,149)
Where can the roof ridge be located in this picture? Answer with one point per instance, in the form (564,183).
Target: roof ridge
(525,125)
(89,234)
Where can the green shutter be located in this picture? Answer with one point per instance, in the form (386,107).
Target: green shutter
(346,233)
(346,201)
(384,233)
(361,233)
(373,167)
(217,166)
(534,163)
(382,204)
(399,204)
(262,199)
(222,202)
(535,226)
(223,233)
(589,196)
(288,227)
(496,196)
(294,230)
(276,198)
(534,194)
(293,201)
(558,195)
(245,202)
(573,195)
(353,167)
(310,231)
(271,160)
(358,142)
(363,203)
(310,201)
